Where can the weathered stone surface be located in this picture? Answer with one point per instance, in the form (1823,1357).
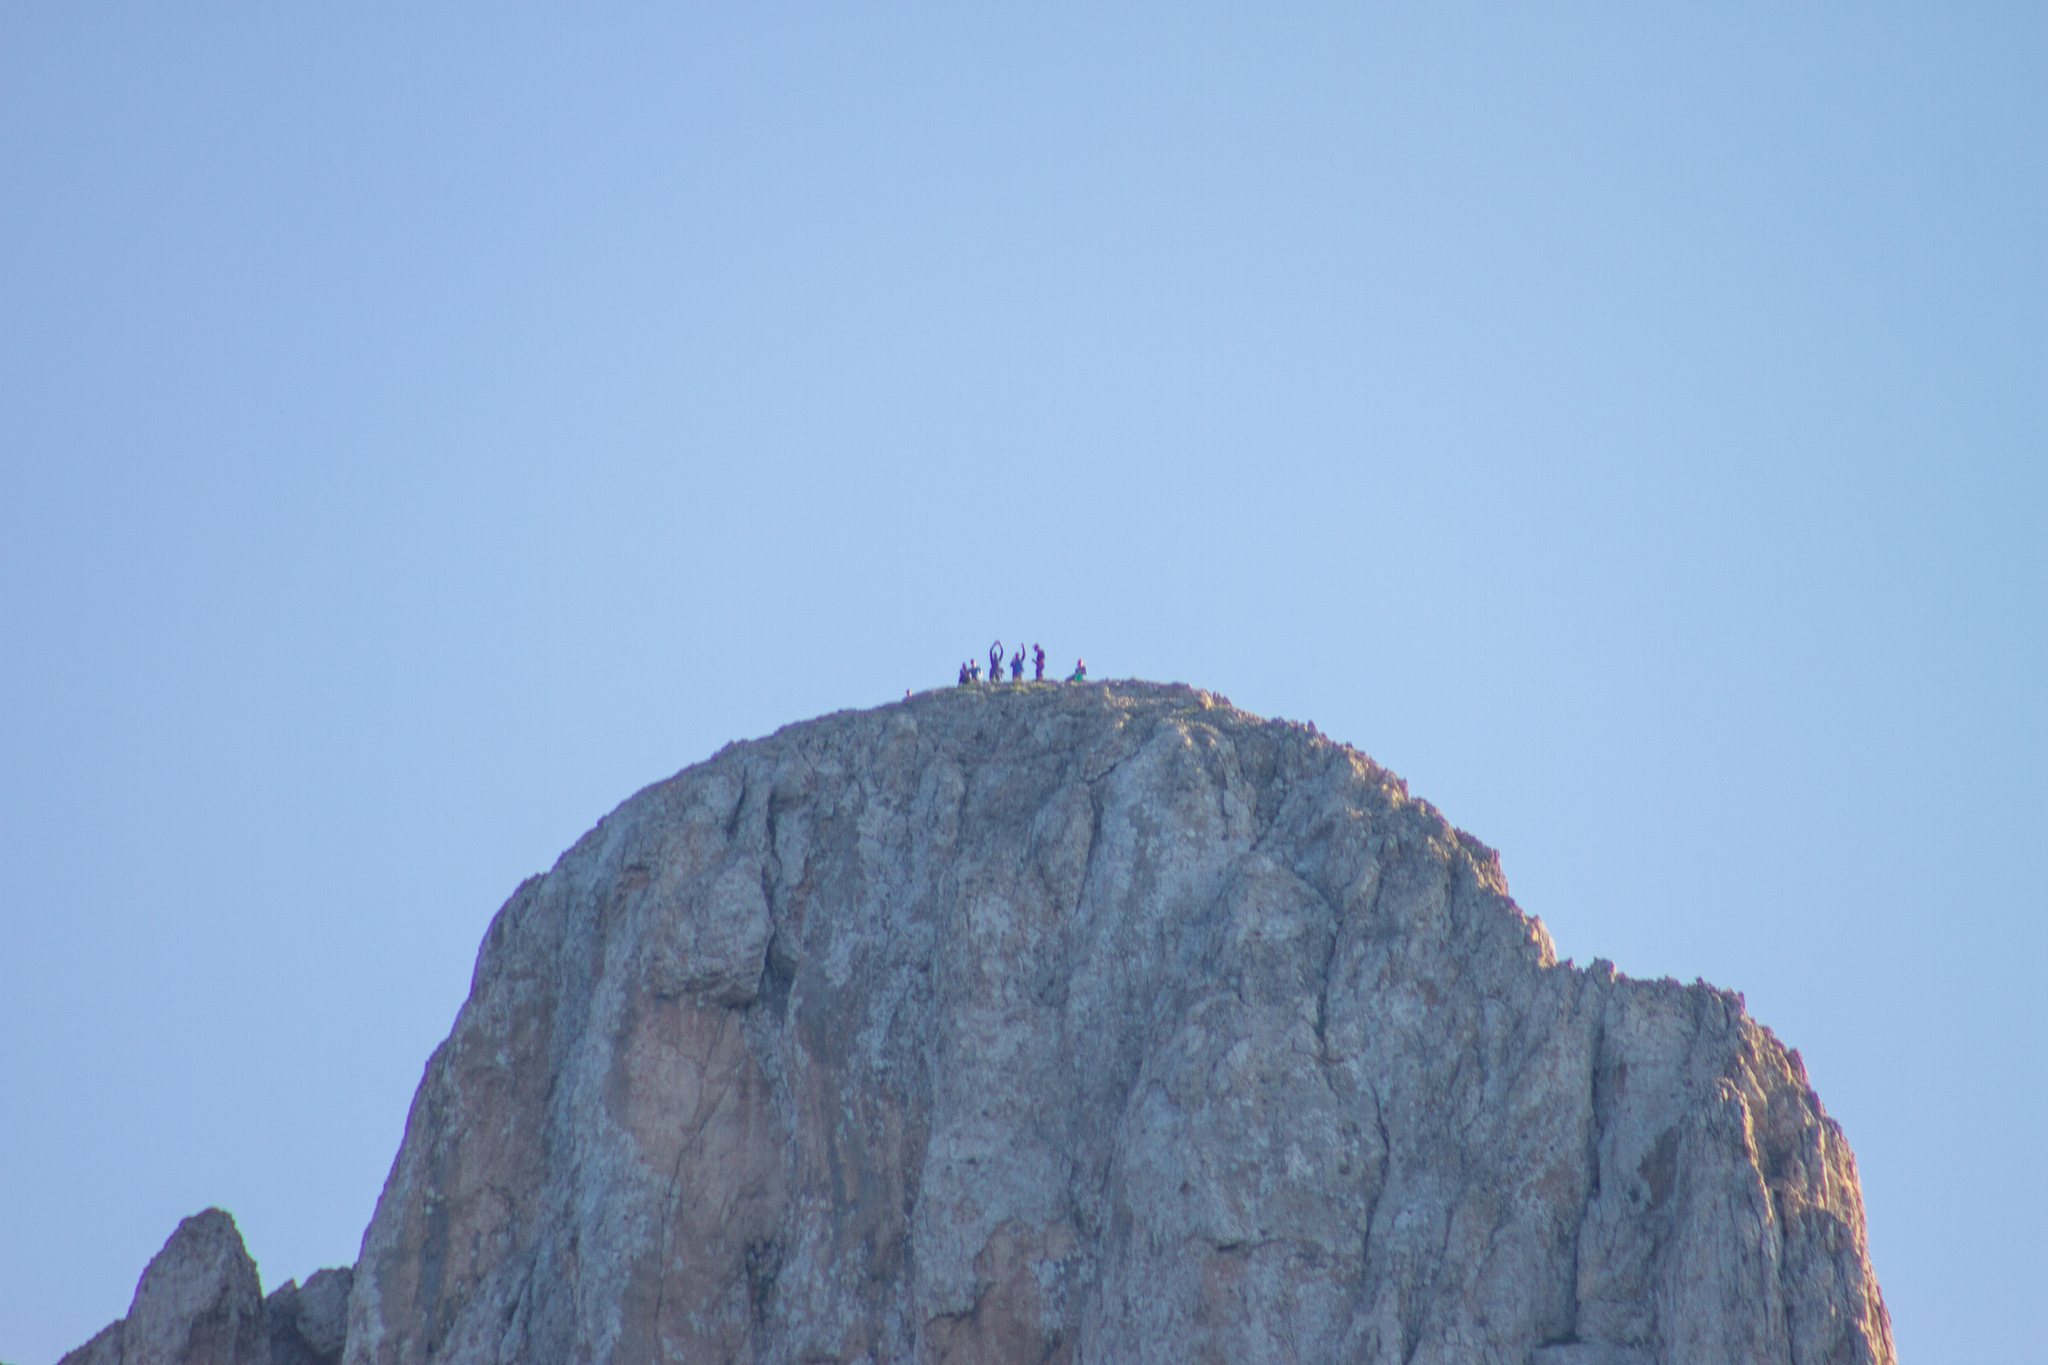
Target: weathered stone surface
(104,1349)
(200,1303)
(323,1311)
(1102,1023)
(307,1325)
(1589,1353)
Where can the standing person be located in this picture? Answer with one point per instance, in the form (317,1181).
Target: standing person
(1080,671)
(974,670)
(1038,663)
(995,662)
(1017,665)
(963,675)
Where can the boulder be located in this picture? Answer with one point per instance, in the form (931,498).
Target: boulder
(308,1325)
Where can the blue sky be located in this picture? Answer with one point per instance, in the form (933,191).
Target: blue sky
(420,429)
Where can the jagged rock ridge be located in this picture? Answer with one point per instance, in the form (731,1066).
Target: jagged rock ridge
(200,1303)
(1089,1024)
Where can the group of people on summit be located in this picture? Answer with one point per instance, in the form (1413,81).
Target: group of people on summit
(970,672)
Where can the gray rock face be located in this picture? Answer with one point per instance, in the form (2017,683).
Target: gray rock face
(1088,1024)
(104,1349)
(308,1325)
(200,1303)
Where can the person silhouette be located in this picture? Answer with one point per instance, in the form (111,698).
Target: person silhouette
(974,670)
(1017,665)
(995,662)
(1038,663)
(1080,671)
(963,675)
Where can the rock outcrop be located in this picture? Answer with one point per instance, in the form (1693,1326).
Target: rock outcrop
(1060,1025)
(200,1303)
(308,1324)
(1085,1024)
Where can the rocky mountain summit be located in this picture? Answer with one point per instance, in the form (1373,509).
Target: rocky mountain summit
(1101,1023)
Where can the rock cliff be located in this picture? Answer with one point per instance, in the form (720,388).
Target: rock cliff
(1103,1023)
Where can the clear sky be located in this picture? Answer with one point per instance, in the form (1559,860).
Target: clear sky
(420,427)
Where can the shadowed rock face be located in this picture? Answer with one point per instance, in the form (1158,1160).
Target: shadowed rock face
(1100,1023)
